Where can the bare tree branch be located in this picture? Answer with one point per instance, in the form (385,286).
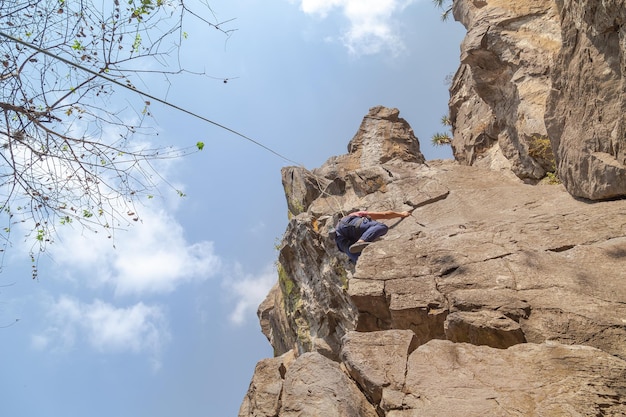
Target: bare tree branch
(67,152)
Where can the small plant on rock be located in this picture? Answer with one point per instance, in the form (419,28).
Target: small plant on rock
(445,6)
(540,149)
(439,138)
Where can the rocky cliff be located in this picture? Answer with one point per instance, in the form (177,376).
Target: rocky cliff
(500,295)
(493,298)
(542,88)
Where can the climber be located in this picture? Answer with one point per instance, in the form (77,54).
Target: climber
(357,230)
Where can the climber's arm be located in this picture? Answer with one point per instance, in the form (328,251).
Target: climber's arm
(382,215)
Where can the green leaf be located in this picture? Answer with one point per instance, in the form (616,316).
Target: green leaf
(137,43)
(440,139)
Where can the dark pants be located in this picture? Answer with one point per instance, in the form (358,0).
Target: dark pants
(350,230)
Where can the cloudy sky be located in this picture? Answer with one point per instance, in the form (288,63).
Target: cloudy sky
(161,322)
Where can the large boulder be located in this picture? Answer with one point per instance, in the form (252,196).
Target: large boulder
(442,378)
(309,386)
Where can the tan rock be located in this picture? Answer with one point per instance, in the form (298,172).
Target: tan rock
(483,327)
(398,140)
(263,398)
(457,379)
(540,88)
(585,109)
(417,304)
(275,323)
(370,299)
(316,387)
(374,360)
(498,94)
(484,261)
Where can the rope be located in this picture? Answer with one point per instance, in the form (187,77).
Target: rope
(144,94)
(181,109)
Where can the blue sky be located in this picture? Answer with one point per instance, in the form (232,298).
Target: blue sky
(164,323)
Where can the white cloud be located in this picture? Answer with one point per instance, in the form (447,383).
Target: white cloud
(108,329)
(248,291)
(147,252)
(372,23)
(149,255)
(152,256)
(321,7)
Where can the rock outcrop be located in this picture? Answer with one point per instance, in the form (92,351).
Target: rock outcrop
(586,107)
(497,296)
(542,88)
(498,95)
(494,298)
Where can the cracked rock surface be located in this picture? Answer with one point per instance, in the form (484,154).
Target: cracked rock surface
(541,84)
(494,298)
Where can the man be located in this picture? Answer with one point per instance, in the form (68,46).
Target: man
(356,230)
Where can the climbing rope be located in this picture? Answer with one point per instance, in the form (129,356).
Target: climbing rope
(181,109)
(144,94)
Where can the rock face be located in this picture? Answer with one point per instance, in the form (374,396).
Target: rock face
(585,110)
(310,385)
(541,88)
(498,96)
(494,298)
